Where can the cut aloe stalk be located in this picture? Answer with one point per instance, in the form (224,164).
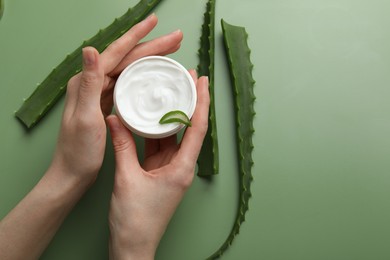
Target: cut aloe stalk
(240,66)
(175,116)
(208,161)
(1,8)
(53,87)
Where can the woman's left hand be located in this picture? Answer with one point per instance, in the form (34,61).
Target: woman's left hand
(89,99)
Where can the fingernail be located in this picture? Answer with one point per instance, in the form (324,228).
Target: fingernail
(150,16)
(194,72)
(177,31)
(88,56)
(206,78)
(112,123)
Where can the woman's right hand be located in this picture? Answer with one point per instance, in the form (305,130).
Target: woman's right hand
(145,197)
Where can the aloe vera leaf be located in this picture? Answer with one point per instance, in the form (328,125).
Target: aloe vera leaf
(53,86)
(208,160)
(240,66)
(1,8)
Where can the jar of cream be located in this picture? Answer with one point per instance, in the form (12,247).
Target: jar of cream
(149,88)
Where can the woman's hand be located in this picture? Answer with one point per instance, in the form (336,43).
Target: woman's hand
(82,138)
(27,230)
(145,197)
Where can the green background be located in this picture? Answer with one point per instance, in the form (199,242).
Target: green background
(322,166)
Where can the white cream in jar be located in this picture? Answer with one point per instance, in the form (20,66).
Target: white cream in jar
(149,88)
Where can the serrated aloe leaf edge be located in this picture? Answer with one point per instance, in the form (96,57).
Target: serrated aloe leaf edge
(208,161)
(53,86)
(240,67)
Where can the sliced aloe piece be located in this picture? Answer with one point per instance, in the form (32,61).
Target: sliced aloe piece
(175,116)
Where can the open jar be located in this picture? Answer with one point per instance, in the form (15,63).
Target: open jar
(149,88)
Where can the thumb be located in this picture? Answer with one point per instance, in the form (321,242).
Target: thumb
(124,146)
(91,82)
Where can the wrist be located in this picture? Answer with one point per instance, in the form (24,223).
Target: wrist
(123,249)
(60,171)
(65,184)
(29,227)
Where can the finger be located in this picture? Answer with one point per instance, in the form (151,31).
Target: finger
(107,100)
(160,46)
(171,50)
(124,145)
(91,81)
(194,76)
(109,82)
(152,146)
(107,103)
(194,135)
(117,50)
(71,95)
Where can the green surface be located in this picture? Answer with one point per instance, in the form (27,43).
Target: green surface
(322,168)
